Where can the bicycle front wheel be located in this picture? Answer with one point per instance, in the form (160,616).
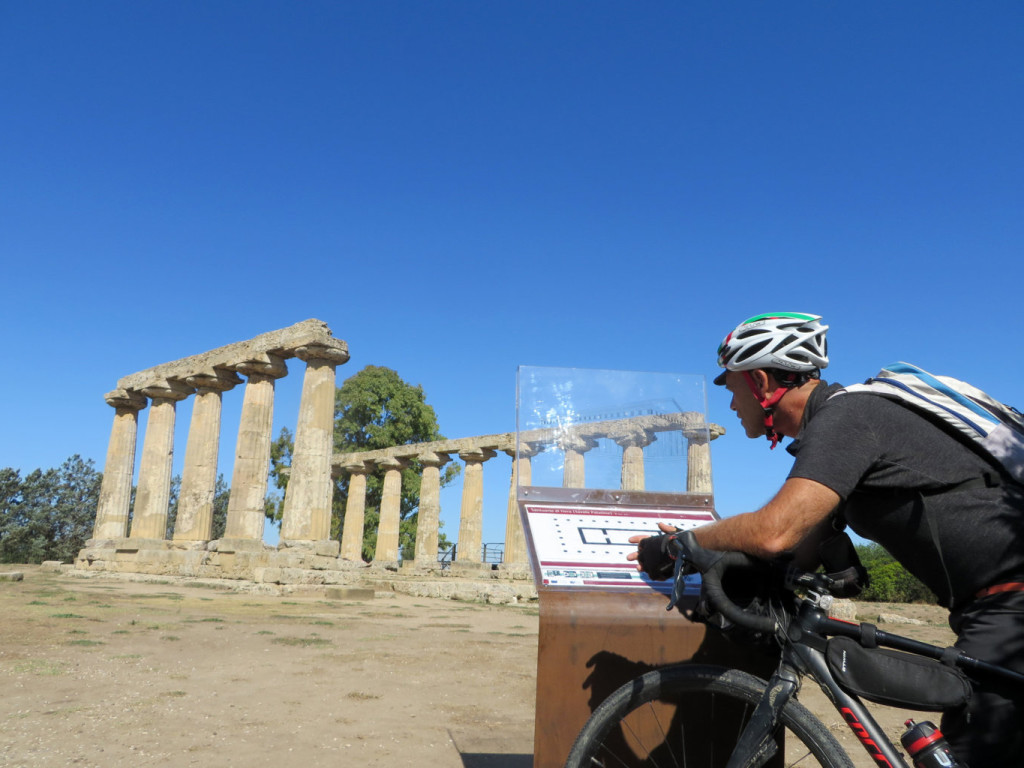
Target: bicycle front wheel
(690,716)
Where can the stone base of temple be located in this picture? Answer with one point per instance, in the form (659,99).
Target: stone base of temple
(294,569)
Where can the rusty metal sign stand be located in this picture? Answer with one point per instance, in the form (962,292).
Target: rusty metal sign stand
(601,622)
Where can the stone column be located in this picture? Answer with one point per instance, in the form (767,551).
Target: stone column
(199,475)
(355,510)
(116,490)
(307,501)
(428,518)
(574,446)
(633,445)
(152,496)
(472,515)
(246,505)
(390,511)
(698,462)
(515,539)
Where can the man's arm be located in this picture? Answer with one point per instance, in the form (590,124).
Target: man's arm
(800,508)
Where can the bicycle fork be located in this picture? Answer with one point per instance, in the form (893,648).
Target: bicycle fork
(756,744)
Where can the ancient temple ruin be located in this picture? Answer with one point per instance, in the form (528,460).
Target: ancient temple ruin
(306,554)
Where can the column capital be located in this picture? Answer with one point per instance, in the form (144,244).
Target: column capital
(335,353)
(264,363)
(390,462)
(126,398)
(433,459)
(168,389)
(526,450)
(218,379)
(577,443)
(635,438)
(477,455)
(702,435)
(358,467)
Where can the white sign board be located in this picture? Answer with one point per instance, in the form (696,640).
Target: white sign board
(585,546)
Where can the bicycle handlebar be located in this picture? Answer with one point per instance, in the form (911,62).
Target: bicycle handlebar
(713,566)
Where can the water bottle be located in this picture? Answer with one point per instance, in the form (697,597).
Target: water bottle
(927,746)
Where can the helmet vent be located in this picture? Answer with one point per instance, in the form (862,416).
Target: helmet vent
(751,351)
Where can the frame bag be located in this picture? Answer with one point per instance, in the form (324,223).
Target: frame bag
(894,678)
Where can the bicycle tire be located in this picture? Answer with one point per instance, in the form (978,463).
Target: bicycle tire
(645,723)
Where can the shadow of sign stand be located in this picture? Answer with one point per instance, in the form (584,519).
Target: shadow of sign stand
(602,622)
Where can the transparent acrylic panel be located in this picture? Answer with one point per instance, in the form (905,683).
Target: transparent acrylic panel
(577,423)
(604,455)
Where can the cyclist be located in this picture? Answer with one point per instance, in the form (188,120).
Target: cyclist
(950,516)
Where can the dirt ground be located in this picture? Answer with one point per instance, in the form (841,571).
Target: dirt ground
(98,672)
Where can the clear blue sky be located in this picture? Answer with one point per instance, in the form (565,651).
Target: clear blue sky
(461,188)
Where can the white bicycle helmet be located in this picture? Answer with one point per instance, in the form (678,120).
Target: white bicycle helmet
(787,341)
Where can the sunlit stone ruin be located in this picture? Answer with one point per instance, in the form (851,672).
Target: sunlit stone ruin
(306,554)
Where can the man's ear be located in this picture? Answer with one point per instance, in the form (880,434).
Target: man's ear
(764,383)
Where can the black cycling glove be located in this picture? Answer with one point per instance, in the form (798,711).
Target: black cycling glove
(655,556)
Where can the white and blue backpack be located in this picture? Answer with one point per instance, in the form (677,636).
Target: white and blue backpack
(994,429)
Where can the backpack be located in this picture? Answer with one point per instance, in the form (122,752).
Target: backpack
(994,429)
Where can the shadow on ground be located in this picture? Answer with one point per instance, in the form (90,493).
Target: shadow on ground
(482,760)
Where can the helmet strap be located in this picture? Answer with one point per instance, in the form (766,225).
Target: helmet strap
(768,406)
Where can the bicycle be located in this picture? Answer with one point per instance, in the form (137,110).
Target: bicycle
(674,716)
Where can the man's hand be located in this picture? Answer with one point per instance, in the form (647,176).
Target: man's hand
(652,555)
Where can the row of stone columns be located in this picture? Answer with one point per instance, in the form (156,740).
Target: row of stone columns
(307,509)
(307,504)
(470,542)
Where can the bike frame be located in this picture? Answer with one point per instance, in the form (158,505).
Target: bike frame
(853,710)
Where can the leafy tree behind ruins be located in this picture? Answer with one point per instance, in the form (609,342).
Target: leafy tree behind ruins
(47,514)
(373,409)
(220,506)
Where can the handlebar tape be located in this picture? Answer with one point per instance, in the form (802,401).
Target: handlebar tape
(713,565)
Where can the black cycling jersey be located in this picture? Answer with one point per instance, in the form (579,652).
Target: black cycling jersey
(908,484)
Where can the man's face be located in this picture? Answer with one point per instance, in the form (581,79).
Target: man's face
(747,408)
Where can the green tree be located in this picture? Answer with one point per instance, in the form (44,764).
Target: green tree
(47,515)
(221,493)
(376,409)
(280,460)
(373,409)
(890,581)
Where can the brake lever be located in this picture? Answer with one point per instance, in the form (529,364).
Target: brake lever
(678,581)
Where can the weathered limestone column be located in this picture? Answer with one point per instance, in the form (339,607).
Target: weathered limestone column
(116,490)
(246,512)
(633,446)
(307,501)
(428,518)
(515,539)
(471,519)
(698,462)
(199,475)
(573,474)
(153,495)
(390,511)
(355,512)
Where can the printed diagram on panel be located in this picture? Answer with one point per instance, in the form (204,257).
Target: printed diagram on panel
(586,545)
